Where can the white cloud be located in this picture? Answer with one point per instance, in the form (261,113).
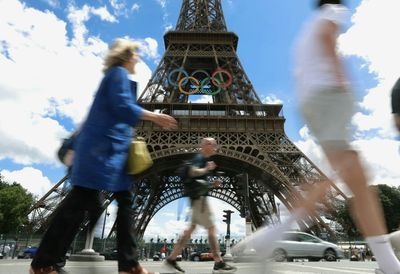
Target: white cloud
(120,7)
(149,48)
(135,7)
(372,38)
(31,179)
(162,3)
(78,18)
(52,3)
(167,25)
(104,14)
(46,76)
(272,99)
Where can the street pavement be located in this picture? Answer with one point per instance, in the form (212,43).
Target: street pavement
(21,266)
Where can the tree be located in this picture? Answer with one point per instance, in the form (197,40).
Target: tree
(390,200)
(15,202)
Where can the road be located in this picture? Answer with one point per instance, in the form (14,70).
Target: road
(110,267)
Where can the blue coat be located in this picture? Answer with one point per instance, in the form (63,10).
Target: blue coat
(102,146)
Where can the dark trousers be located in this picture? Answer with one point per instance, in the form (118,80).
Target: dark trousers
(69,216)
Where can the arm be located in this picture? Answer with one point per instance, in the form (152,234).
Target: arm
(197,172)
(123,104)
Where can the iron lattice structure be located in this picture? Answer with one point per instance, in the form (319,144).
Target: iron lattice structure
(200,60)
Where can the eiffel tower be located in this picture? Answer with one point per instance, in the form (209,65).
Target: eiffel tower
(200,61)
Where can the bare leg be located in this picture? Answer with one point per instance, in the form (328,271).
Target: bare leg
(367,211)
(182,242)
(214,246)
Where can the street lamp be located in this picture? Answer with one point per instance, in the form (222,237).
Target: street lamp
(279,211)
(19,229)
(104,225)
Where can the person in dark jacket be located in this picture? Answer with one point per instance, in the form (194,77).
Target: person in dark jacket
(99,163)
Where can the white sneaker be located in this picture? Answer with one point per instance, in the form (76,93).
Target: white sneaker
(378,271)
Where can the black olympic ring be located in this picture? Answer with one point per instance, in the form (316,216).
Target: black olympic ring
(202,85)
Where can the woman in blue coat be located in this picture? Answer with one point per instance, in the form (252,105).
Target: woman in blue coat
(101,151)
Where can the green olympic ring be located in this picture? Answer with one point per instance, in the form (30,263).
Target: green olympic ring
(216,79)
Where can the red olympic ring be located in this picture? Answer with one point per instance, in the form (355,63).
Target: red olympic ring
(218,71)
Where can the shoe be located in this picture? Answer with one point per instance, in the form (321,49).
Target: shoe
(138,270)
(43,270)
(378,271)
(222,267)
(173,265)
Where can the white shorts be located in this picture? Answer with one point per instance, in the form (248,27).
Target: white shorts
(327,113)
(201,213)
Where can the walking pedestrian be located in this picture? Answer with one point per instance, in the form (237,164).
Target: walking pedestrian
(201,168)
(326,103)
(99,163)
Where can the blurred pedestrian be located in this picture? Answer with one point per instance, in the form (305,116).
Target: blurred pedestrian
(99,163)
(201,168)
(396,104)
(395,100)
(326,103)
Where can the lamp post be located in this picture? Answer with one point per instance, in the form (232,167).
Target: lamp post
(279,212)
(19,228)
(227,220)
(104,225)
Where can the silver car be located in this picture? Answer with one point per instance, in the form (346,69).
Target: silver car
(303,245)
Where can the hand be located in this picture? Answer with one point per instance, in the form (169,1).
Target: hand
(217,183)
(210,165)
(165,121)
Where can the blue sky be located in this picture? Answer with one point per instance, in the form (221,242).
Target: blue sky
(51,54)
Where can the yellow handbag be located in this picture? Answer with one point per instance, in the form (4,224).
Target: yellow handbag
(139,158)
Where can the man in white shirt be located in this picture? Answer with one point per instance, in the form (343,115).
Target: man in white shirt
(326,105)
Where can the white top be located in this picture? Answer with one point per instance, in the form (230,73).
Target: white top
(313,69)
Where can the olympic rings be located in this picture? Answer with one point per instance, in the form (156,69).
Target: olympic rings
(189,92)
(200,85)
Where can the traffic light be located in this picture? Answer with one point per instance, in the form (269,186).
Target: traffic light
(242,184)
(227,216)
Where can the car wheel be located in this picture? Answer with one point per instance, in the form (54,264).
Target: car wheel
(330,255)
(279,255)
(196,258)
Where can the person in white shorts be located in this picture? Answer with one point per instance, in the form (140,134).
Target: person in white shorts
(200,168)
(326,103)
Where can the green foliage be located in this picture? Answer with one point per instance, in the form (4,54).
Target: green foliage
(344,218)
(390,200)
(15,202)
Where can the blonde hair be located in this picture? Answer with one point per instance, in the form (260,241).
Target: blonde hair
(120,52)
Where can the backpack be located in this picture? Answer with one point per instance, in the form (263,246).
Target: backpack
(193,188)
